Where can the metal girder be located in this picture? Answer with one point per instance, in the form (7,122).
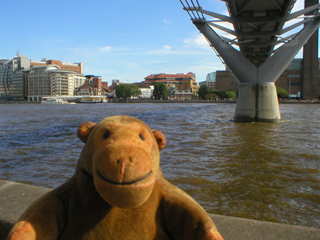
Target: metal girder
(227,30)
(251,30)
(260,33)
(233,58)
(219,16)
(257,33)
(258,19)
(248,72)
(284,55)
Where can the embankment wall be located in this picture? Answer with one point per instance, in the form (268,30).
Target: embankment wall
(16,197)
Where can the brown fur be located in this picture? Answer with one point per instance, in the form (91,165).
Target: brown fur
(117,192)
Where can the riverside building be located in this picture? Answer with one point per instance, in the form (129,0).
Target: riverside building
(48,81)
(210,81)
(12,77)
(181,86)
(146,90)
(92,86)
(72,67)
(25,79)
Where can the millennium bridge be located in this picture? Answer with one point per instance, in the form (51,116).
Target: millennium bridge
(266,37)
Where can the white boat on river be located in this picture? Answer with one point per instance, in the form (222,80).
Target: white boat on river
(50,100)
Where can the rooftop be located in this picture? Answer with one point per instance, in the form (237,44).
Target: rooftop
(170,75)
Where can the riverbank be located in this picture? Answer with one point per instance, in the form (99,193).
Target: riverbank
(171,101)
(208,101)
(16,197)
(20,102)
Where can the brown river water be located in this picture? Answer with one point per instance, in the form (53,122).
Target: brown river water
(263,171)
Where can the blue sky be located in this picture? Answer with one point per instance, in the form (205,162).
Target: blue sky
(122,39)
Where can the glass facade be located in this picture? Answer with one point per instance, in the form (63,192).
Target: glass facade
(12,85)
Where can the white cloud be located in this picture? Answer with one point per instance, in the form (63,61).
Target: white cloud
(156,62)
(105,49)
(197,41)
(167,47)
(166,21)
(116,50)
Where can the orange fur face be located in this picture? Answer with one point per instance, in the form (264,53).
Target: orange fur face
(125,159)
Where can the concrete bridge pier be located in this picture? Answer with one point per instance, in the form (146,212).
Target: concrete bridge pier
(257,99)
(257,103)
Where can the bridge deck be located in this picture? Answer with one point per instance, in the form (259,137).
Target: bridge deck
(257,25)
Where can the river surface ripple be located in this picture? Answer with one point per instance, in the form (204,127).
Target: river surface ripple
(260,170)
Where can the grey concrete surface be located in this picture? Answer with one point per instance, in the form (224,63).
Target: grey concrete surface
(232,228)
(16,197)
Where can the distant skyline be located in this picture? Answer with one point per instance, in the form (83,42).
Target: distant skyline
(123,39)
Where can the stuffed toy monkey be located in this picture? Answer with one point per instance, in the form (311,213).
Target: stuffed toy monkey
(117,192)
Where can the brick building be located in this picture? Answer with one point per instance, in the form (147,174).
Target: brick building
(180,85)
(73,67)
(226,80)
(93,86)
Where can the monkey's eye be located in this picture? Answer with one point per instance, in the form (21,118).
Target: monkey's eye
(106,134)
(141,136)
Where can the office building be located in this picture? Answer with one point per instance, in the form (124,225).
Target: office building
(12,77)
(50,80)
(210,81)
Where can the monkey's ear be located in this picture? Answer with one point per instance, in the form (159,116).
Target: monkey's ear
(84,130)
(161,139)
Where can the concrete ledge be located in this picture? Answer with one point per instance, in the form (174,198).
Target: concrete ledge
(16,197)
(14,200)
(232,228)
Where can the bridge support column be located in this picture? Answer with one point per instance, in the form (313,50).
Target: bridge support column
(257,103)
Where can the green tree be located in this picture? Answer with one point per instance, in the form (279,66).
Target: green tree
(212,96)
(127,91)
(203,92)
(160,91)
(231,94)
(135,90)
(282,93)
(219,93)
(194,96)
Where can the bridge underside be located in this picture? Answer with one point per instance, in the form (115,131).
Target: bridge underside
(261,48)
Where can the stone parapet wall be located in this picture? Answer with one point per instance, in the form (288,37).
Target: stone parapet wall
(16,197)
